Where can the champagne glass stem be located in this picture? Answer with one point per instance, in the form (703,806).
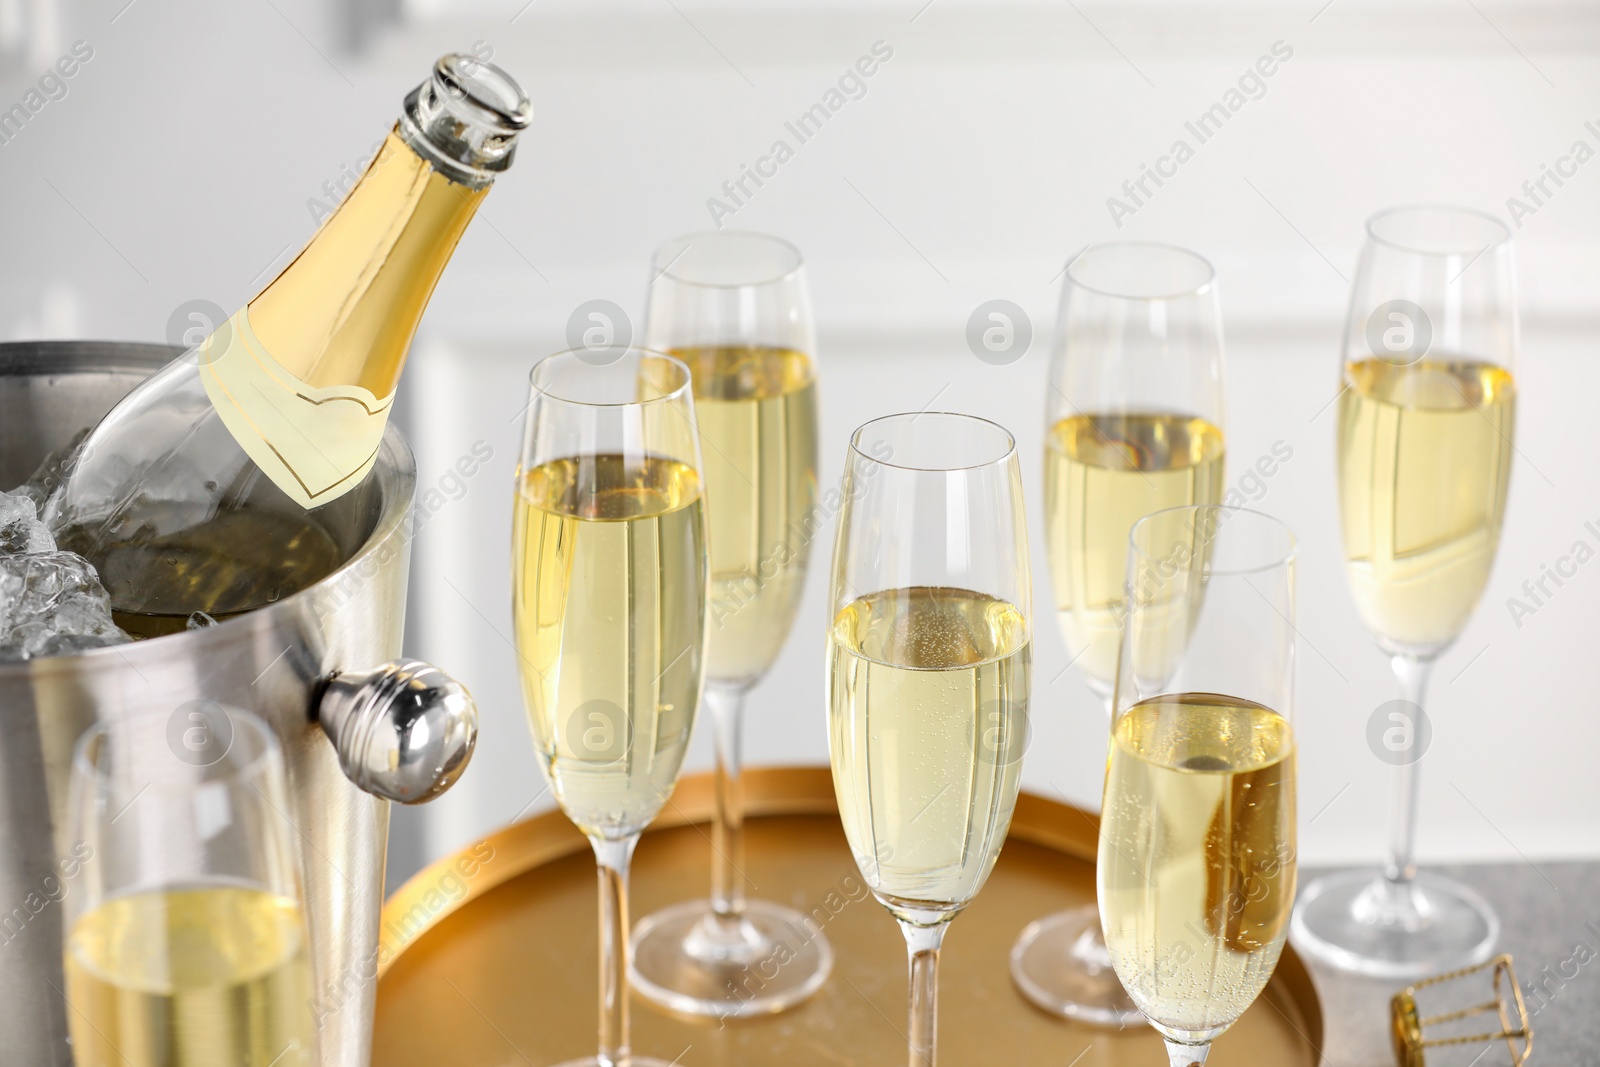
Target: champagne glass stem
(922,949)
(612,858)
(1401,868)
(1181,1055)
(1090,948)
(727,840)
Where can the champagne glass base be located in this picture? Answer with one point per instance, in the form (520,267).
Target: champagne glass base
(688,960)
(1364,923)
(1061,965)
(631,1061)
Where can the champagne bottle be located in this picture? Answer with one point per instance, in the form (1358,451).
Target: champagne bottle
(209,487)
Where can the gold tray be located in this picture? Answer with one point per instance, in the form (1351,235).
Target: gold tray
(489,957)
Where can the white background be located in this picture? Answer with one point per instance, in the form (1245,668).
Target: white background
(181,162)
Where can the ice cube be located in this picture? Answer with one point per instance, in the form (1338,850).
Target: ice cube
(63,644)
(51,603)
(199,620)
(52,473)
(20,528)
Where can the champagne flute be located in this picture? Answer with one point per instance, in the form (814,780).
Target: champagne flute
(929,659)
(609,602)
(733,307)
(1196,866)
(1135,425)
(187,938)
(1426,419)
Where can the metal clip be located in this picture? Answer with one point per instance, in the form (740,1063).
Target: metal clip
(1410,1025)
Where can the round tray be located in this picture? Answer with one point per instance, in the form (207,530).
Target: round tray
(489,956)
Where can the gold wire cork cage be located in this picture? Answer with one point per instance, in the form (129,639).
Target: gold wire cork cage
(1412,1029)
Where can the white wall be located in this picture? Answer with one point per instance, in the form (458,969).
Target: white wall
(180,164)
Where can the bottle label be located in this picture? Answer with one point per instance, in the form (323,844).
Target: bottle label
(316,444)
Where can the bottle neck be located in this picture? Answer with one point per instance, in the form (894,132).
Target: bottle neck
(344,311)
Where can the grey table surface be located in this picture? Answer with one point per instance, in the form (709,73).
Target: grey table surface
(1550,923)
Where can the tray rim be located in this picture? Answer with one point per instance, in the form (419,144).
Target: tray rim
(768,791)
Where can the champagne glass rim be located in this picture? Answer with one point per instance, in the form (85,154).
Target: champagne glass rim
(586,362)
(1009,451)
(1497,232)
(1284,553)
(673,250)
(261,754)
(1206,275)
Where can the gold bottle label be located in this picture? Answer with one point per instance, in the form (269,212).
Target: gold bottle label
(315,443)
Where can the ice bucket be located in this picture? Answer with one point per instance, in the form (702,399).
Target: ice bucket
(358,728)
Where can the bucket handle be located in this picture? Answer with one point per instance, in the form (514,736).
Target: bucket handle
(404,730)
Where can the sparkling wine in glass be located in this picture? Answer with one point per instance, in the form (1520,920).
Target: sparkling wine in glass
(1134,426)
(609,603)
(1196,865)
(733,307)
(929,661)
(186,935)
(1427,413)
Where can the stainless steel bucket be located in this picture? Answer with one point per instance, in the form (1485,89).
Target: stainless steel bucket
(354,727)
